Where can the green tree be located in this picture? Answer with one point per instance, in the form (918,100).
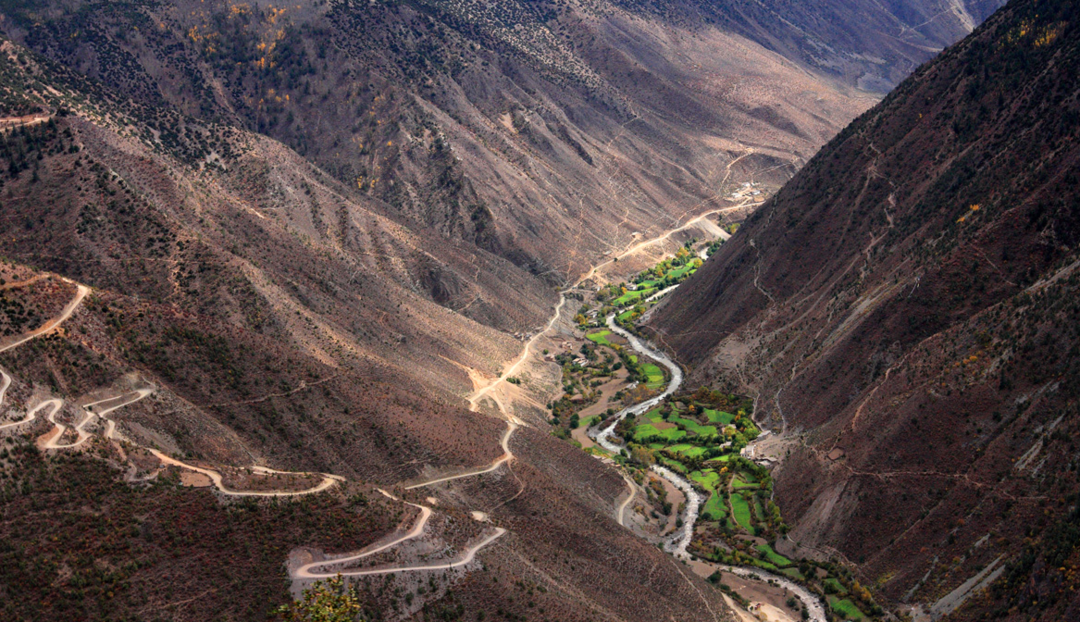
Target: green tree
(325,601)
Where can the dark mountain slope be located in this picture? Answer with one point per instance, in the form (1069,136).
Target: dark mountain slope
(282,319)
(547,133)
(249,272)
(906,307)
(872,44)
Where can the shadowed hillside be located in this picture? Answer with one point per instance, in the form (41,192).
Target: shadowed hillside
(304,250)
(545,132)
(905,310)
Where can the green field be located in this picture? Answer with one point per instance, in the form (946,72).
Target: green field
(742,510)
(672,464)
(715,416)
(630,297)
(678,272)
(845,609)
(654,376)
(700,438)
(773,556)
(723,458)
(738,484)
(714,507)
(693,426)
(599,337)
(690,451)
(648,431)
(707,479)
(833,585)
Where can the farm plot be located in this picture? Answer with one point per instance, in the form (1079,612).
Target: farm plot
(654,376)
(741,511)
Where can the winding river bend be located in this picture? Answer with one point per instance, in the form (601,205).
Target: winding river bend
(677,543)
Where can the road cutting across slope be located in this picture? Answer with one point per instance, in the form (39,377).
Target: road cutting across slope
(468,555)
(53,441)
(307,570)
(216,478)
(622,506)
(32,413)
(80,292)
(506,457)
(5,380)
(512,423)
(110,425)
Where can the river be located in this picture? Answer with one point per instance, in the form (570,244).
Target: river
(677,543)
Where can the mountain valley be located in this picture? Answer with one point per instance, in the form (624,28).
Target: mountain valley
(565,310)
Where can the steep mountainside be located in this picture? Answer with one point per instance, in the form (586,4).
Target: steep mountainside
(314,237)
(872,44)
(262,315)
(545,132)
(906,310)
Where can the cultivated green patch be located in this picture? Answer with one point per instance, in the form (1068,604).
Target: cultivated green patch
(714,508)
(773,556)
(845,609)
(741,510)
(600,337)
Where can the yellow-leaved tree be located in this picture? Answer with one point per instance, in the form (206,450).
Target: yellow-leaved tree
(325,601)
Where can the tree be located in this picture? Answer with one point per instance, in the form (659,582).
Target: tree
(642,456)
(325,601)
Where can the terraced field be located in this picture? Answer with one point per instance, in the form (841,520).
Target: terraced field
(845,609)
(655,376)
(633,296)
(599,337)
(741,509)
(726,510)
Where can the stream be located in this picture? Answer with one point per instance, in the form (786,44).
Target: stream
(677,543)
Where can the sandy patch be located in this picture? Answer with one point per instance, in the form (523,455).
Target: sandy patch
(193,479)
(607,393)
(579,435)
(740,614)
(768,601)
(675,497)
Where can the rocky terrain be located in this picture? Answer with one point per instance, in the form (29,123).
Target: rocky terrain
(278,278)
(904,310)
(545,132)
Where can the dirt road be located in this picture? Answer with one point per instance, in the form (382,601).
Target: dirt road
(512,422)
(506,457)
(80,293)
(307,570)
